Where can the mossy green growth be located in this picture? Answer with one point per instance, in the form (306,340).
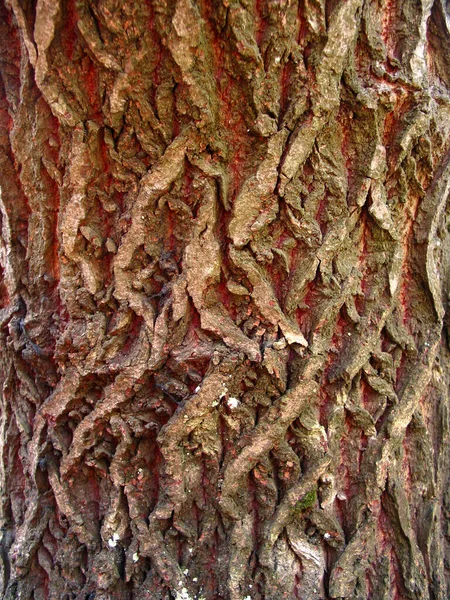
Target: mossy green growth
(308,500)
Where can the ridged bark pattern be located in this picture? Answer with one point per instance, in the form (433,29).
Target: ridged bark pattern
(224,285)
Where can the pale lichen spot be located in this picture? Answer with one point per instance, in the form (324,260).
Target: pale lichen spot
(233,402)
(112,542)
(183,595)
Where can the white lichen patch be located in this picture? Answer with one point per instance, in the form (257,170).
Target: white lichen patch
(135,557)
(183,594)
(233,402)
(112,542)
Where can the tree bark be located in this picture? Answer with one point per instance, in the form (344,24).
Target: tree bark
(224,287)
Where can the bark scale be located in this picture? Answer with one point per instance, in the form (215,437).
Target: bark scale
(224,287)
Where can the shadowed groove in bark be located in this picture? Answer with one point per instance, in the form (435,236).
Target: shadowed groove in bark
(224,259)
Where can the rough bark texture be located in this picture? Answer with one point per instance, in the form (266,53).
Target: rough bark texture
(224,282)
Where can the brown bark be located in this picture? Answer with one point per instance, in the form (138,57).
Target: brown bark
(224,284)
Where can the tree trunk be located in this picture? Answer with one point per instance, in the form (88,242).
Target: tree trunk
(225,263)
